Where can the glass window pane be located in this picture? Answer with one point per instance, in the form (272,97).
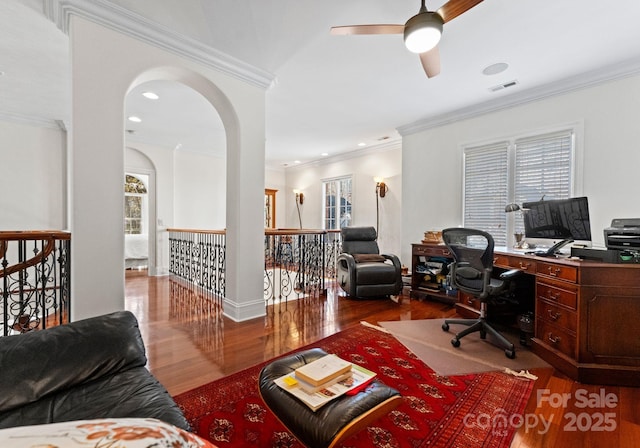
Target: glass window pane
(337,203)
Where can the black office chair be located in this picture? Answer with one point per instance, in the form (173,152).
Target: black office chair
(471,273)
(362,270)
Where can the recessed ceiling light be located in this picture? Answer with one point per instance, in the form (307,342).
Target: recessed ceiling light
(362,144)
(135,119)
(494,69)
(150,95)
(296,161)
(324,154)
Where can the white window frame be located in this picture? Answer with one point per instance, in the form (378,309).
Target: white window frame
(337,181)
(144,206)
(512,222)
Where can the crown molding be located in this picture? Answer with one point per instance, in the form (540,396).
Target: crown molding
(387,145)
(32,120)
(582,81)
(134,25)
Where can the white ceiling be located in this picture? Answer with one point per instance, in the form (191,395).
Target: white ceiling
(332,92)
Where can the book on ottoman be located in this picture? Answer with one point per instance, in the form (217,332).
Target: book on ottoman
(354,380)
(323,370)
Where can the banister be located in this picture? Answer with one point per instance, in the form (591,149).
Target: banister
(35,291)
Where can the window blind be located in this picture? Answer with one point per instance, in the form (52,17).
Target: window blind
(543,168)
(485,189)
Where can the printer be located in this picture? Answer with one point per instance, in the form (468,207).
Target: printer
(622,240)
(624,234)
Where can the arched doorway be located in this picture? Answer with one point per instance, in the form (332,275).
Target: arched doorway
(180,138)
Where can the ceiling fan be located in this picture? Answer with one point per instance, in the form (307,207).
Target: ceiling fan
(422,32)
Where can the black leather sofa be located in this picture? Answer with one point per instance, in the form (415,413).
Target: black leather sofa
(88,369)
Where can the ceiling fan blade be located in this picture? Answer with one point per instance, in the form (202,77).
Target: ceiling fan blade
(453,8)
(431,62)
(367,29)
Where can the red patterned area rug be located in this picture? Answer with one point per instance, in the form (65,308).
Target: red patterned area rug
(477,410)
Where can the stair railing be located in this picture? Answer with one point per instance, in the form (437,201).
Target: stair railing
(34,280)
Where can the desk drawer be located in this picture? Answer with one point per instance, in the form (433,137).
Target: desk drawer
(553,313)
(509,262)
(501,261)
(469,300)
(556,337)
(553,294)
(569,273)
(523,264)
(432,250)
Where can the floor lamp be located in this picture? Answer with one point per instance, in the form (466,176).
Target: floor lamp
(381,191)
(299,202)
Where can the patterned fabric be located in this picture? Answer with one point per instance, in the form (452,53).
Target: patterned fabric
(230,412)
(104,433)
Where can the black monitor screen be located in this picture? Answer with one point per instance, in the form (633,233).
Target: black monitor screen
(558,219)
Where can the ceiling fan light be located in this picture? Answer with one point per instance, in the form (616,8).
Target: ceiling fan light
(422,32)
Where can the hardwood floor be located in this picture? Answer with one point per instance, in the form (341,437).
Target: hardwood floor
(190,343)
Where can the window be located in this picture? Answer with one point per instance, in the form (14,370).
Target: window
(337,203)
(517,170)
(134,196)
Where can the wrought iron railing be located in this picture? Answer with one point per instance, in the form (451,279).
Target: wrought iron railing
(35,280)
(199,256)
(297,263)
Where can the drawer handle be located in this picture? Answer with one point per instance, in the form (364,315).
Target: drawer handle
(524,266)
(553,296)
(446,252)
(552,315)
(553,339)
(554,271)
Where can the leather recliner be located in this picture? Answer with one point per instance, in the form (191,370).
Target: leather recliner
(362,270)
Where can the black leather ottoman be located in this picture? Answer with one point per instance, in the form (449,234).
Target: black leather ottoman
(333,422)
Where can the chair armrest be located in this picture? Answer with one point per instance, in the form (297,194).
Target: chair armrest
(347,261)
(394,259)
(511,273)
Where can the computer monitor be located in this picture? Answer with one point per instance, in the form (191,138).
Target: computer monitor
(566,220)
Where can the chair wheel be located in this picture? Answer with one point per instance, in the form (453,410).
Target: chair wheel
(445,327)
(455,342)
(511,354)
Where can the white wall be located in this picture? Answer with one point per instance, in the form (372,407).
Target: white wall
(32,177)
(199,191)
(363,167)
(608,151)
(116,63)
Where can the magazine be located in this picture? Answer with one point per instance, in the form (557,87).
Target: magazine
(359,377)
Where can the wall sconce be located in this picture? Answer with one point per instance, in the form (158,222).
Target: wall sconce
(381,187)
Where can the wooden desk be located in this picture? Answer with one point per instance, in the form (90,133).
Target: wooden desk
(586,314)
